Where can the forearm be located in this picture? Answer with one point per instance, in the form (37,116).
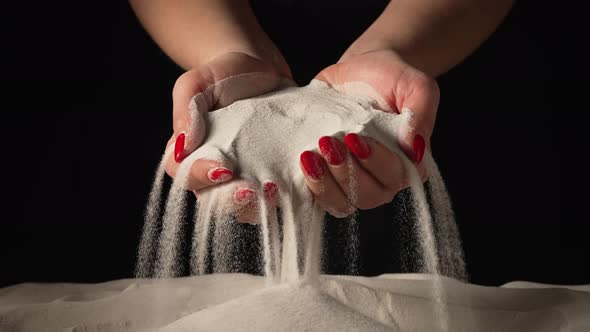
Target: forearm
(432,35)
(192,32)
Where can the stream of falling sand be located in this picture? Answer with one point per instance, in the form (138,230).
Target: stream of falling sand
(297,257)
(287,267)
(147,249)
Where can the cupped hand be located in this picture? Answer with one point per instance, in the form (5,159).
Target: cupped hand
(359,172)
(214,85)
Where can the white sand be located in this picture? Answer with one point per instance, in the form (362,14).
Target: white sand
(263,138)
(239,302)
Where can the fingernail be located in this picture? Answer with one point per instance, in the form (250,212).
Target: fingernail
(219,174)
(270,190)
(419,147)
(357,145)
(312,165)
(330,150)
(179,147)
(242,196)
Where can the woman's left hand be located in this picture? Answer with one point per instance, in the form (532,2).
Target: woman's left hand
(377,174)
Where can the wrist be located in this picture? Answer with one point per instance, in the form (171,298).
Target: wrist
(269,63)
(413,57)
(274,58)
(262,50)
(362,46)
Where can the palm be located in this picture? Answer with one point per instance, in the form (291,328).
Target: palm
(392,78)
(394,82)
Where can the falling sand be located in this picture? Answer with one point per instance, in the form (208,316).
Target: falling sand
(264,136)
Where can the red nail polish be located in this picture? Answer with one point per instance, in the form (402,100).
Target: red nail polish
(419,147)
(357,145)
(179,148)
(270,190)
(219,174)
(312,164)
(244,195)
(330,150)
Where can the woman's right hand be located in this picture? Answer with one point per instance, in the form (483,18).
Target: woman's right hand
(217,84)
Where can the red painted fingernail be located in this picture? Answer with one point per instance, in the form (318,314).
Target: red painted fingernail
(330,150)
(270,190)
(312,164)
(219,174)
(357,145)
(419,147)
(179,148)
(244,195)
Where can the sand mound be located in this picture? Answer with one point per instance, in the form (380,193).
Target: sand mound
(239,302)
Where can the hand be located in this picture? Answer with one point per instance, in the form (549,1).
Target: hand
(217,84)
(378,173)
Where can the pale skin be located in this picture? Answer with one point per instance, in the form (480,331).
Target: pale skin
(399,56)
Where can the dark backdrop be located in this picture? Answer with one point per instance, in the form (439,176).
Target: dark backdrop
(91,111)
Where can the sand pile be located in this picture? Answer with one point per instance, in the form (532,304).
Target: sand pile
(240,302)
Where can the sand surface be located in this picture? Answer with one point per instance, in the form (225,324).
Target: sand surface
(230,302)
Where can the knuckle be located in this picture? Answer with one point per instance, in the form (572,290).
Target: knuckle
(423,173)
(247,219)
(427,84)
(390,191)
(336,209)
(377,200)
(189,83)
(181,82)
(170,170)
(367,204)
(388,196)
(340,213)
(194,183)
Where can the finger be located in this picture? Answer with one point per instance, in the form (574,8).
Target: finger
(271,193)
(421,98)
(171,165)
(249,214)
(188,122)
(323,186)
(360,187)
(243,205)
(397,87)
(203,173)
(383,164)
(249,206)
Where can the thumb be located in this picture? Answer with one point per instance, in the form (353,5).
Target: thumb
(188,121)
(419,96)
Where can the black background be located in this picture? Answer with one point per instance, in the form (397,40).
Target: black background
(91,111)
